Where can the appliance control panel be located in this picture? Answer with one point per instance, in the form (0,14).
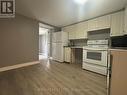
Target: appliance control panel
(97,42)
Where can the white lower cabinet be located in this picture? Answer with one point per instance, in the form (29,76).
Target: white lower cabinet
(67,54)
(117,24)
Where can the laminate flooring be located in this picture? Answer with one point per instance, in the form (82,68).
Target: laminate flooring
(52,78)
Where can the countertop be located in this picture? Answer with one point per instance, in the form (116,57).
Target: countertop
(110,49)
(117,49)
(75,46)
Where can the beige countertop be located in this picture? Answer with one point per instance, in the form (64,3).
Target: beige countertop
(75,46)
(110,49)
(115,49)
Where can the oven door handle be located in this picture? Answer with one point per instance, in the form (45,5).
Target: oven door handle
(96,49)
(90,50)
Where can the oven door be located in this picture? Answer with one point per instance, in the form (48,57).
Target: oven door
(98,57)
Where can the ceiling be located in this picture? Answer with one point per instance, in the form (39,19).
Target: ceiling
(64,12)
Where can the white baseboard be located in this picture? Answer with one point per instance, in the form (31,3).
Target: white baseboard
(18,66)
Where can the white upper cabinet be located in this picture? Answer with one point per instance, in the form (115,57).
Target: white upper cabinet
(81,30)
(71,30)
(99,23)
(92,24)
(72,35)
(104,22)
(77,31)
(117,24)
(125,28)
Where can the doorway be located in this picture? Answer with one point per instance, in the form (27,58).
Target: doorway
(43,43)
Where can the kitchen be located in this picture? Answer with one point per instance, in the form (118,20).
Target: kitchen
(63,47)
(95,44)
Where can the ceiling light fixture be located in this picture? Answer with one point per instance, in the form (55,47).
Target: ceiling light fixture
(80,1)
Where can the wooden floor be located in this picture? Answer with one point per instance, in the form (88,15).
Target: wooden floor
(52,78)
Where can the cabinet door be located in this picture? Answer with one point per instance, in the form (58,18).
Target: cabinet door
(117,24)
(119,77)
(67,54)
(72,35)
(103,22)
(125,28)
(99,23)
(72,32)
(81,30)
(92,24)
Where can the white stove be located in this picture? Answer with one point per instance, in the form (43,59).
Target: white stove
(95,56)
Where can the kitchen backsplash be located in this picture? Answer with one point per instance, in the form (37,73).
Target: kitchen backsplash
(79,42)
(92,35)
